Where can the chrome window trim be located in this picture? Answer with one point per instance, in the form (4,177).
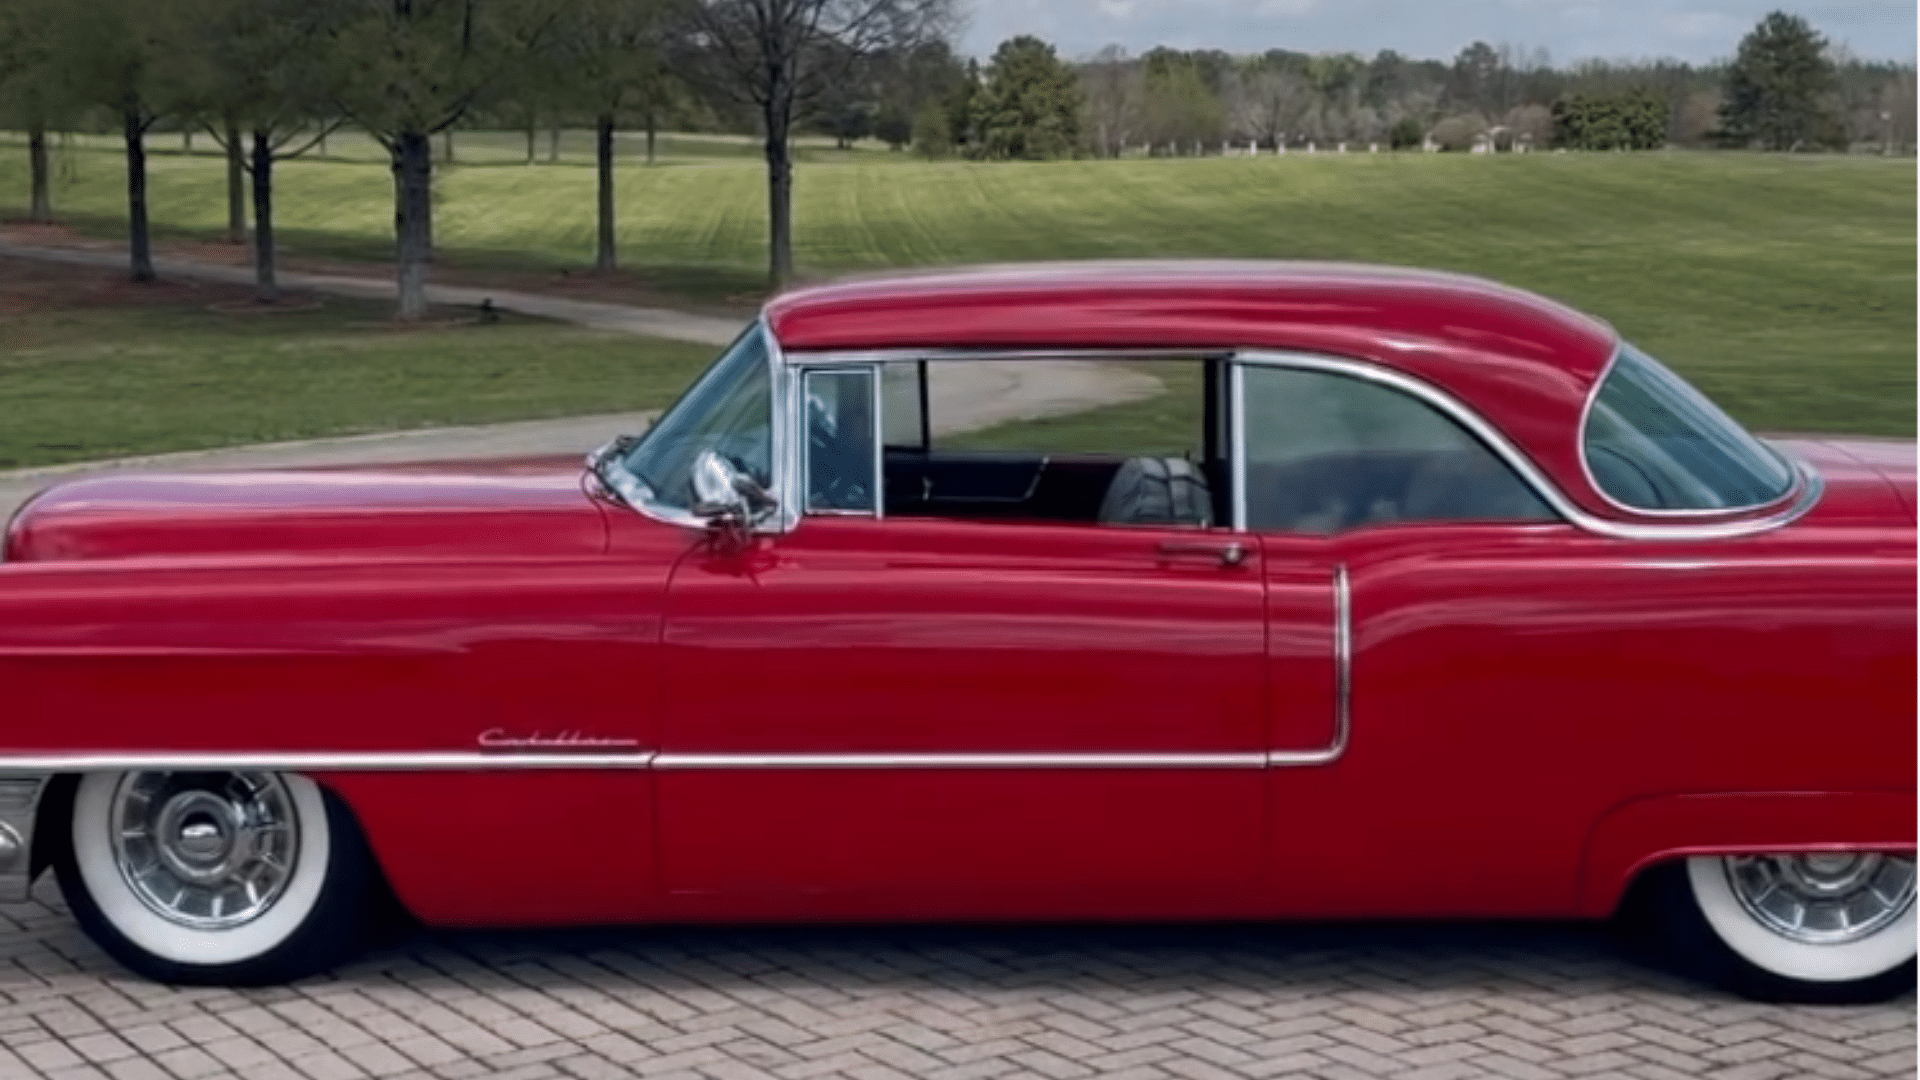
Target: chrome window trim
(1342,684)
(1237,451)
(1809,492)
(1800,473)
(872,371)
(896,355)
(789,476)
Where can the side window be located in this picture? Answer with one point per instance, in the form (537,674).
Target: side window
(1088,440)
(1327,452)
(729,410)
(1655,443)
(841,458)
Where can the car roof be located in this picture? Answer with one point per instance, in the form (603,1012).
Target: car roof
(1176,304)
(1522,361)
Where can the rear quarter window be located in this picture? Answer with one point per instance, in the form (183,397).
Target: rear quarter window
(1653,442)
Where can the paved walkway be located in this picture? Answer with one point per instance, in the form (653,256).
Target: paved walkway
(654,322)
(1474,1002)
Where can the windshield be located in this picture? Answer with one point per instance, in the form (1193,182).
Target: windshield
(729,410)
(1655,443)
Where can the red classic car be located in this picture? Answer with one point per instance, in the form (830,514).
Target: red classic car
(1372,593)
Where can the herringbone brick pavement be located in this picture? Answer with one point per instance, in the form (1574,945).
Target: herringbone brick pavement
(1137,1003)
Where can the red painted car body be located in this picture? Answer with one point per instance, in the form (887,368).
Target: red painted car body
(617,719)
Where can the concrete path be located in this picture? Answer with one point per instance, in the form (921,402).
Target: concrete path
(653,322)
(963,397)
(1330,1002)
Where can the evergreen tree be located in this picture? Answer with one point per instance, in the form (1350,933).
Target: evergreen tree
(1775,85)
(1030,105)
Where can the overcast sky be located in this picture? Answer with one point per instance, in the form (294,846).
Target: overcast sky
(1693,30)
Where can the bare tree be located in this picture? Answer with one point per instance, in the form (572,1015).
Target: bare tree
(778,55)
(1113,86)
(1268,104)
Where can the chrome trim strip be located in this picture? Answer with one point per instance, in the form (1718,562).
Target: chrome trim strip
(1237,451)
(789,415)
(319,761)
(1521,464)
(804,375)
(883,356)
(878,417)
(1342,684)
(1586,471)
(1224,760)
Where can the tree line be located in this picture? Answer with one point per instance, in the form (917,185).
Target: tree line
(1786,88)
(268,79)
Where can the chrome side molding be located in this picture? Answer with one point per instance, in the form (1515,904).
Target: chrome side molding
(22,777)
(1342,684)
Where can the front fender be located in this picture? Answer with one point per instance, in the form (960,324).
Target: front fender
(1636,835)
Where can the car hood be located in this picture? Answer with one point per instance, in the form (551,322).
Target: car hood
(1868,480)
(525,507)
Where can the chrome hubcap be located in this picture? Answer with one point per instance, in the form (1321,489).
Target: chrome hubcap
(205,850)
(1827,897)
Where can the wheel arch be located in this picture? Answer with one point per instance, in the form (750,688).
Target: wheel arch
(1636,836)
(52,838)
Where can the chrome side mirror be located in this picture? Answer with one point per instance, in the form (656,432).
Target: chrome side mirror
(724,495)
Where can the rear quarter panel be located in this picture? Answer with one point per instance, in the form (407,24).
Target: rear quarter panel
(1516,687)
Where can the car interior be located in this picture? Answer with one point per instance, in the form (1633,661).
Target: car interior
(1320,494)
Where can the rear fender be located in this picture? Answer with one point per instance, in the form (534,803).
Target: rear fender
(1639,834)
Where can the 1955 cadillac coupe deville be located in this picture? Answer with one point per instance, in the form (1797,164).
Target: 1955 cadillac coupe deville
(1454,605)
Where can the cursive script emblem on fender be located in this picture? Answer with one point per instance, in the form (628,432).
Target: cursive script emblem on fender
(568,739)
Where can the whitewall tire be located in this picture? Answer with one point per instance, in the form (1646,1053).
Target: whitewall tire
(215,877)
(1808,926)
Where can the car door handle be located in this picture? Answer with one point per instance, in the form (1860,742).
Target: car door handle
(1230,553)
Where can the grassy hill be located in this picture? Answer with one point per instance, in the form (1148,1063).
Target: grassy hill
(1785,286)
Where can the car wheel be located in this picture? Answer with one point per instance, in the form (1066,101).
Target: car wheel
(1833,927)
(223,878)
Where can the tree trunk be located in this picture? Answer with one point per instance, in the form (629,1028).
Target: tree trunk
(605,258)
(413,219)
(778,115)
(553,144)
(532,134)
(446,137)
(236,187)
(139,240)
(652,125)
(186,140)
(41,206)
(265,289)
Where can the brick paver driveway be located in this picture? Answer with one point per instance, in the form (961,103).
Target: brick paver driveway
(1434,1003)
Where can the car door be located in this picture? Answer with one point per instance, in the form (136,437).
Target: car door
(1445,782)
(949,717)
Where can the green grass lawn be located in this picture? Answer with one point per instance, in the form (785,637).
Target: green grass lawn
(1784,286)
(84,384)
